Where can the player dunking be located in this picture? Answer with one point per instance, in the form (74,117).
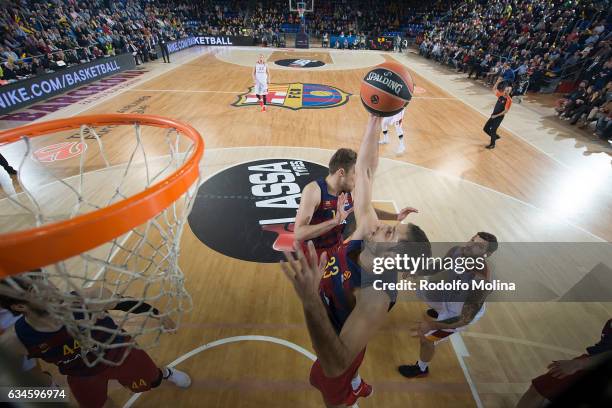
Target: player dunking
(261,77)
(327,202)
(37,335)
(342,309)
(395,120)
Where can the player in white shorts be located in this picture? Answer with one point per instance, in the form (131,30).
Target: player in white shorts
(452,311)
(395,120)
(261,77)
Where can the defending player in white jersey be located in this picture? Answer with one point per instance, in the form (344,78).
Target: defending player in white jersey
(451,311)
(261,77)
(395,120)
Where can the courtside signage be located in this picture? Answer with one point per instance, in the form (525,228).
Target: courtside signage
(19,94)
(222,40)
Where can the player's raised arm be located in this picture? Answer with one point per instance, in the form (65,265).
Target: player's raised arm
(335,352)
(496,84)
(367,162)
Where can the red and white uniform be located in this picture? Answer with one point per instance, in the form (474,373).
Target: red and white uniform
(395,120)
(261,79)
(450,306)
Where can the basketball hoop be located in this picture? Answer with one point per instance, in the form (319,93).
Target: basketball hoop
(301,9)
(111,224)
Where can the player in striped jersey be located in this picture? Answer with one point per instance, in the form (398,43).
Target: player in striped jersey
(342,308)
(327,202)
(38,335)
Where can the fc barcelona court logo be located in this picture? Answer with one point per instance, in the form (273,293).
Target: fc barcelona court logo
(297,96)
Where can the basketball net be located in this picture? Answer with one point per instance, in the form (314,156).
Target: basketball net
(140,264)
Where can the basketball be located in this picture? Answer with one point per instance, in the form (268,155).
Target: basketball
(386,89)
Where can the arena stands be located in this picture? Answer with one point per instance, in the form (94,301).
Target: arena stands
(537,46)
(47,36)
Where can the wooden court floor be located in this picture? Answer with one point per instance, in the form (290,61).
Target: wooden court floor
(245,343)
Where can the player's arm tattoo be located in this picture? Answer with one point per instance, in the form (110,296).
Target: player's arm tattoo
(469,312)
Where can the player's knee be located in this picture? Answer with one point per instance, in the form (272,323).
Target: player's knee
(425,341)
(157,381)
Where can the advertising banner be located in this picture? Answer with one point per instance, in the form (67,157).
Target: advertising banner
(20,94)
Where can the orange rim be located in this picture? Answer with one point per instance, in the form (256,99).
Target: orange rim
(26,250)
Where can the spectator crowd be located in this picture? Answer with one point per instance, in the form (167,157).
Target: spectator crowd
(38,36)
(45,36)
(534,45)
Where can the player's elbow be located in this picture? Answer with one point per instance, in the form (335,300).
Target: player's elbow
(300,233)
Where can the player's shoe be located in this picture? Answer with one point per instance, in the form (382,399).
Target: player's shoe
(178,378)
(401,148)
(263,108)
(432,313)
(363,391)
(413,371)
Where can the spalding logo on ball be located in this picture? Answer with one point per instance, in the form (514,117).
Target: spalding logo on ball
(387,89)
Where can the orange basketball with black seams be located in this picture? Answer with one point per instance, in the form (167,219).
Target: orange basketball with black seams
(387,89)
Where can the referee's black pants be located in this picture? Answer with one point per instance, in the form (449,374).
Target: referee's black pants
(491,126)
(164,51)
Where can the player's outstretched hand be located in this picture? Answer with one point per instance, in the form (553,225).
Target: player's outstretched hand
(168,324)
(304,271)
(406,212)
(564,368)
(341,212)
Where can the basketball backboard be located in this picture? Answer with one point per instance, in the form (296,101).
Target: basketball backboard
(307,5)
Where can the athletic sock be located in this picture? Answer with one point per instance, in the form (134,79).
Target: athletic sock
(422,365)
(166,373)
(356,382)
